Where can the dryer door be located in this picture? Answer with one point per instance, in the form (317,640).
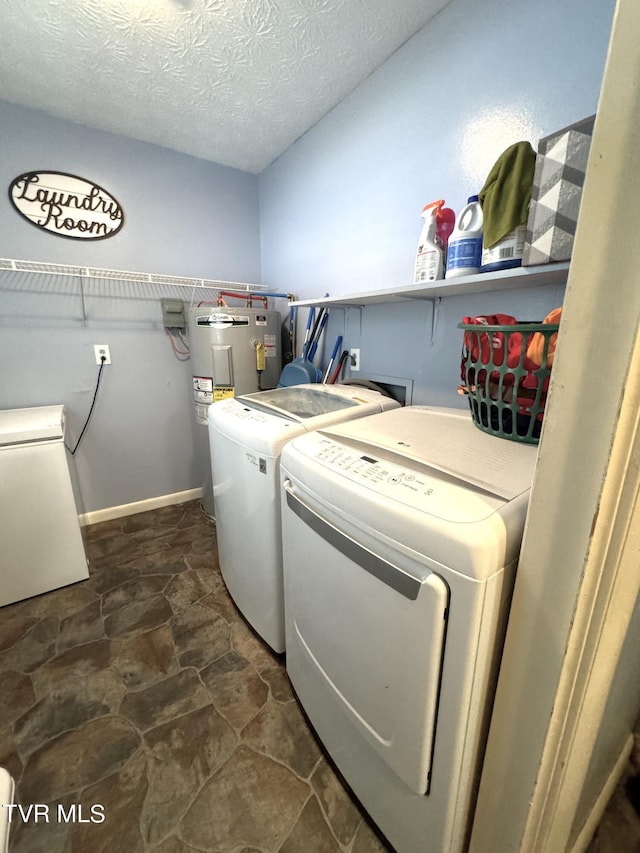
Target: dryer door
(371,625)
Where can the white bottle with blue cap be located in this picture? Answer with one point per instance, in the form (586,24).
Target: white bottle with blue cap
(464,252)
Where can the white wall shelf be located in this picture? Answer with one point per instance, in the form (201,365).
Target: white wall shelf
(518,278)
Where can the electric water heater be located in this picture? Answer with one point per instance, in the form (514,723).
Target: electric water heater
(233,351)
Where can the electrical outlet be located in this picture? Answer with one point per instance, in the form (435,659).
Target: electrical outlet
(354,359)
(102,350)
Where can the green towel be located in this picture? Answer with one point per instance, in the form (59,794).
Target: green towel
(506,193)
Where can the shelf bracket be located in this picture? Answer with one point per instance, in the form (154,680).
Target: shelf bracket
(82,302)
(353,321)
(435,315)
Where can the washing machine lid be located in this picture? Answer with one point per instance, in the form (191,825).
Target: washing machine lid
(21,426)
(301,402)
(446,441)
(267,420)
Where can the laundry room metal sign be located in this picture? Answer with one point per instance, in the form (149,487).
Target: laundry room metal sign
(66,205)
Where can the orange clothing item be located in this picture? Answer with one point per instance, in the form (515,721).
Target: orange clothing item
(535,348)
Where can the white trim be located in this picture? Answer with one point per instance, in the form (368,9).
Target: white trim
(602,620)
(121,511)
(593,821)
(609,585)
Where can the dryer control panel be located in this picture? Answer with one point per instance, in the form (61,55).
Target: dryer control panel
(421,487)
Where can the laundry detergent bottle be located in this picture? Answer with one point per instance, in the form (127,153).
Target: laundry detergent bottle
(507,253)
(430,256)
(464,253)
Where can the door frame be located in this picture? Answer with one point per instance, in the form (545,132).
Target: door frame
(577,583)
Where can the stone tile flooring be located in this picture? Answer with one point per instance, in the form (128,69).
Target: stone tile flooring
(143,691)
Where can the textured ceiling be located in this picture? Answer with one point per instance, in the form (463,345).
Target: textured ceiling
(233,81)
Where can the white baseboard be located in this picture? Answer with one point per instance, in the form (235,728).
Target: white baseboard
(111,512)
(593,821)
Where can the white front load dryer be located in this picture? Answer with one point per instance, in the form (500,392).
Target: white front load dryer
(402,536)
(246,437)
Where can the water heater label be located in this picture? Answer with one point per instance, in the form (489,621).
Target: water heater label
(203,387)
(221,321)
(202,397)
(223,392)
(270,348)
(201,413)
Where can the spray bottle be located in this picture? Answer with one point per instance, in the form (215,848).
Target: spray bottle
(445,223)
(430,256)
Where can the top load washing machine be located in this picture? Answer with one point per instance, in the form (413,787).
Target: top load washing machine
(246,436)
(402,532)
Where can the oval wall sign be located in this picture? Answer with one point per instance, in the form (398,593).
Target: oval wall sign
(66,205)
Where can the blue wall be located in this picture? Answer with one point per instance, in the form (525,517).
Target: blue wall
(183,216)
(340,210)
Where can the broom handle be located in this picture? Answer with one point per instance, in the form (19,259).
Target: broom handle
(307,334)
(317,332)
(336,349)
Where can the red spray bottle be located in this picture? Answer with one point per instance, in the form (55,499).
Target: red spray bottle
(439,222)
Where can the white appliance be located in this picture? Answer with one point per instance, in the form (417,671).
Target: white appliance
(246,437)
(41,545)
(228,346)
(402,532)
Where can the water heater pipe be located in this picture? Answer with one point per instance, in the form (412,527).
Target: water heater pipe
(249,297)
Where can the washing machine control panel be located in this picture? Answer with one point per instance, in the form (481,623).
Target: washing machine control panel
(237,410)
(245,413)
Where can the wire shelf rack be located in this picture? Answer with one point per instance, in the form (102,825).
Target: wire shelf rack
(124,275)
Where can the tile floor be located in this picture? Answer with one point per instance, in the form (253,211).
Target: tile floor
(144,692)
